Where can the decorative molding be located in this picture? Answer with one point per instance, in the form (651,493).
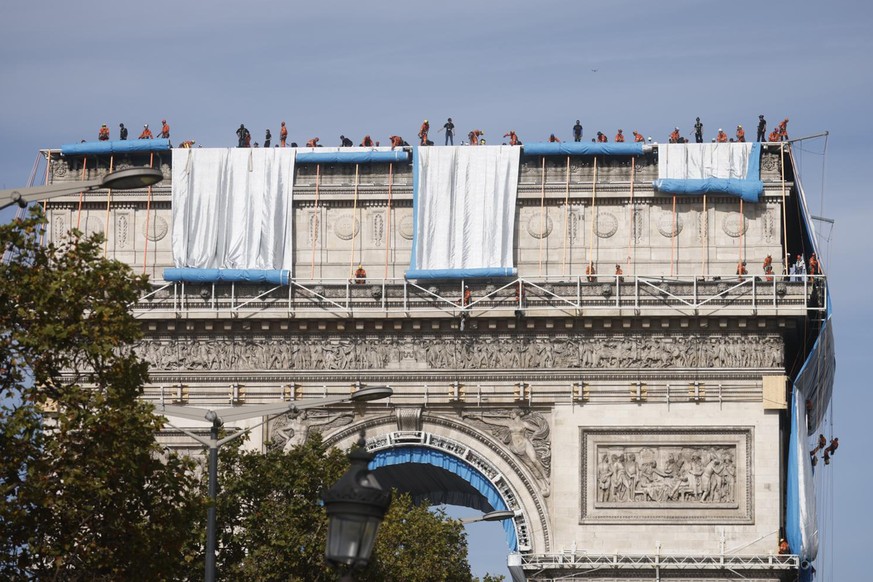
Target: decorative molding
(574,222)
(314,226)
(378,229)
(461,352)
(667,475)
(669,226)
(157,229)
(122,229)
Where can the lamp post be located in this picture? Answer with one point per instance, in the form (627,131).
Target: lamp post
(221,415)
(355,505)
(127,179)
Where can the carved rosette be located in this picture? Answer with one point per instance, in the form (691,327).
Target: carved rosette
(157,229)
(669,225)
(770,162)
(606,225)
(346,227)
(59,168)
(407,227)
(539,225)
(735,224)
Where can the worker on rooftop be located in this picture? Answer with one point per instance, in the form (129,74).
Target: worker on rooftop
(721,137)
(698,131)
(396,141)
(814,268)
(601,138)
(345,142)
(577,131)
(774,135)
(449,128)
(367,142)
(513,138)
(553,139)
(474,136)
(103,134)
(146,132)
(638,137)
(165,130)
(619,137)
(674,136)
(783,130)
(313,143)
(187,144)
(741,134)
(122,132)
(422,133)
(268,138)
(762,128)
(283,135)
(360,275)
(245,138)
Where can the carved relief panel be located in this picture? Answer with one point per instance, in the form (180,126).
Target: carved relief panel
(687,475)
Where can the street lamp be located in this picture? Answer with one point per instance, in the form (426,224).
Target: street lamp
(355,505)
(127,179)
(499,515)
(221,415)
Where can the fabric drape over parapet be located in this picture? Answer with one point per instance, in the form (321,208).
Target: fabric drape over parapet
(232,208)
(464,211)
(714,168)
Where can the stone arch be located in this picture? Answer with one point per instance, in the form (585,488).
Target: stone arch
(455,440)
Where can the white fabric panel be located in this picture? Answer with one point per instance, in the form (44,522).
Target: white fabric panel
(232,208)
(805,485)
(697,161)
(466,207)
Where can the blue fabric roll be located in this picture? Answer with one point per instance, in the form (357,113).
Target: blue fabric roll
(582,148)
(352,157)
(191,275)
(461,273)
(132,146)
(748,190)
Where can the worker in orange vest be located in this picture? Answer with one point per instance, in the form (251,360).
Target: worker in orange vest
(638,137)
(783,547)
(103,134)
(396,141)
(366,142)
(422,133)
(553,139)
(813,265)
(601,138)
(619,137)
(741,134)
(830,450)
(360,275)
(674,136)
(146,132)
(619,273)
(165,130)
(721,137)
(313,143)
(774,135)
(782,128)
(768,268)
(590,272)
(283,134)
(474,136)
(513,138)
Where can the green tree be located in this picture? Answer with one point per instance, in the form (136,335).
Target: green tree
(86,492)
(272,527)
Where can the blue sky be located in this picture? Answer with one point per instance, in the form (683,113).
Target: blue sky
(354,68)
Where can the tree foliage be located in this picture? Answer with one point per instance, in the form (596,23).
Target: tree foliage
(86,493)
(272,528)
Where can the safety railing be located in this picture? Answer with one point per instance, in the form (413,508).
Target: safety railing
(541,296)
(657,561)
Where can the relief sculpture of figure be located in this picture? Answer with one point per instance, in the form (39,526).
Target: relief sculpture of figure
(520,431)
(295,427)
